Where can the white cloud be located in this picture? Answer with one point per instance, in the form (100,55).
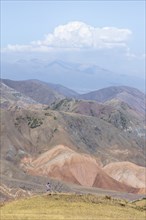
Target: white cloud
(78,35)
(25,48)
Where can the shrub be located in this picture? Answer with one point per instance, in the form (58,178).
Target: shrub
(34,122)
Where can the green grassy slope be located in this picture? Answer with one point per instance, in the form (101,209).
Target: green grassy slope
(71,207)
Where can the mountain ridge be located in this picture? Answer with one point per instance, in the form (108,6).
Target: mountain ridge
(108,132)
(47,93)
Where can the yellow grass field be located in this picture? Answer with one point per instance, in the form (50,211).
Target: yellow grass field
(72,207)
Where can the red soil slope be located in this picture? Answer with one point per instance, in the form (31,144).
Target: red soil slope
(65,164)
(128,173)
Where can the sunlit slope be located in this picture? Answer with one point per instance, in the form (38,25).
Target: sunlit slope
(71,207)
(126,172)
(65,164)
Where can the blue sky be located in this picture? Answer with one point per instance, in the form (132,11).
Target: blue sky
(25,21)
(108,33)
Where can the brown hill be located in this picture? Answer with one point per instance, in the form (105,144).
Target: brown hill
(10,96)
(92,130)
(128,173)
(35,89)
(115,112)
(133,97)
(67,165)
(142,191)
(90,108)
(36,131)
(47,93)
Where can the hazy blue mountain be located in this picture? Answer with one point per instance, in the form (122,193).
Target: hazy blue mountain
(81,77)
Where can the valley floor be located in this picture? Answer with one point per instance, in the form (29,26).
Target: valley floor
(72,207)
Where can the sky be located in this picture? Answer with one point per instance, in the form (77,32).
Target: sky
(108,33)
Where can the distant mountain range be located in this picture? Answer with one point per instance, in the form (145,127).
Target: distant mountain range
(79,76)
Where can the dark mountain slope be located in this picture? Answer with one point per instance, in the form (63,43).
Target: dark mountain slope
(35,89)
(63,90)
(133,97)
(42,92)
(10,96)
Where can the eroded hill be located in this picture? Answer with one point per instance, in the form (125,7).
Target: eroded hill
(95,135)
